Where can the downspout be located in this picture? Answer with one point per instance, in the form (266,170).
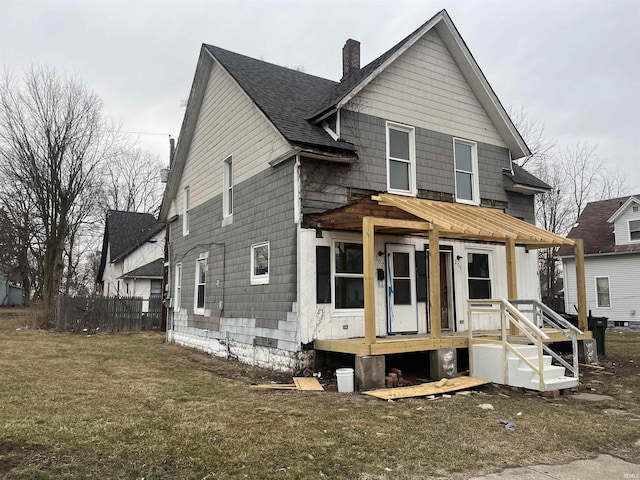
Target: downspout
(297,212)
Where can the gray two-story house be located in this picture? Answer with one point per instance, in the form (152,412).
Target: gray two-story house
(357,216)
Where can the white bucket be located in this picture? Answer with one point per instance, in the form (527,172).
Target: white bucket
(345,380)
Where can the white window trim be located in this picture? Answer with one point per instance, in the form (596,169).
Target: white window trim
(413,190)
(186,207)
(177,293)
(475,180)
(264,278)
(492,269)
(227,186)
(595,282)
(203,257)
(343,312)
(629,229)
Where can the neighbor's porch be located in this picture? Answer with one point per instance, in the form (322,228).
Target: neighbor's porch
(397,215)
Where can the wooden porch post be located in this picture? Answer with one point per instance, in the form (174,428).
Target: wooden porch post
(434,282)
(512,278)
(582,294)
(368,256)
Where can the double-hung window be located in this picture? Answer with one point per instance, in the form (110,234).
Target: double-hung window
(401,159)
(634,230)
(466,164)
(603,295)
(478,275)
(200,284)
(260,263)
(178,288)
(185,211)
(156,288)
(227,193)
(348,276)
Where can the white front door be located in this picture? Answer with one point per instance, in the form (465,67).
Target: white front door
(402,308)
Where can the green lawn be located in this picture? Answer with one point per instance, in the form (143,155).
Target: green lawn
(131,406)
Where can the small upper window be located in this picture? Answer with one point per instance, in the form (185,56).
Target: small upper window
(227,199)
(401,159)
(185,211)
(634,230)
(260,264)
(603,296)
(635,209)
(466,162)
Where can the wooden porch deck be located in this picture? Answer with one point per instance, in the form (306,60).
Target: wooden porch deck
(421,343)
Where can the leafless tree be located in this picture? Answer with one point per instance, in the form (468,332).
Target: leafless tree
(576,176)
(534,134)
(53,137)
(131,182)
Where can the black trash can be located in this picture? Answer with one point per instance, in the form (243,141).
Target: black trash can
(598,325)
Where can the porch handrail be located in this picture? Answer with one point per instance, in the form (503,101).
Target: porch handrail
(509,314)
(547,316)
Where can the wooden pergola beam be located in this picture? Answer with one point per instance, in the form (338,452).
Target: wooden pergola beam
(434,282)
(368,254)
(580,285)
(512,276)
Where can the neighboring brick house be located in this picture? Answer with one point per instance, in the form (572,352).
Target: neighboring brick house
(131,264)
(276,172)
(611,232)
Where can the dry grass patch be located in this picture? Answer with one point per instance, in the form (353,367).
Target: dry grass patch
(131,406)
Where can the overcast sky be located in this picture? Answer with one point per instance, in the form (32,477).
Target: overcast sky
(574,66)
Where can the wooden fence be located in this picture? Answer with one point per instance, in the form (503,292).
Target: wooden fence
(107,314)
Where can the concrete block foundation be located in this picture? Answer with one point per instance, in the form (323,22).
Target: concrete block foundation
(369,372)
(588,351)
(443,363)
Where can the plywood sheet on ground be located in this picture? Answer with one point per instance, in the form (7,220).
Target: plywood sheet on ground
(276,386)
(308,384)
(433,388)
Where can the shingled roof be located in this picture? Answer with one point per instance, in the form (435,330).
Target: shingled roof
(150,270)
(284,95)
(125,231)
(597,233)
(520,176)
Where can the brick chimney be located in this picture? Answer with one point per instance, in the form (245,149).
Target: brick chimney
(350,57)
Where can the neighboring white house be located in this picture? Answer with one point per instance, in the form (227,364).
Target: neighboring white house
(132,256)
(611,233)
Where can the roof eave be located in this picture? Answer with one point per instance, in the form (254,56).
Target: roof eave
(526,189)
(623,208)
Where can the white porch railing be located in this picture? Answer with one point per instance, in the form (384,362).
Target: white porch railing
(544,316)
(528,332)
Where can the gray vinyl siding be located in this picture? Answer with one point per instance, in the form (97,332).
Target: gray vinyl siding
(328,186)
(263,211)
(521,206)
